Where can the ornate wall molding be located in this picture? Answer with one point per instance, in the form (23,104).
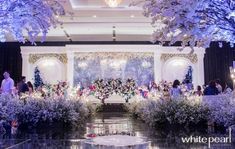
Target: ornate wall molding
(35,57)
(113,55)
(192,57)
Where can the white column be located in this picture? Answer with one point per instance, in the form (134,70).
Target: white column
(70,67)
(200,66)
(157,67)
(26,66)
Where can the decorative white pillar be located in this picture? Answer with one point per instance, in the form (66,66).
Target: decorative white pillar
(70,68)
(200,66)
(157,67)
(26,66)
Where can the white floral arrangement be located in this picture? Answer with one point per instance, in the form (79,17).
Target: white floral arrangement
(222,109)
(171,112)
(38,111)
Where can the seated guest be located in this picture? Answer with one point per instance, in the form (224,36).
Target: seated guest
(40,90)
(152,86)
(198,92)
(22,86)
(211,89)
(227,89)
(7,85)
(165,91)
(218,85)
(204,86)
(30,86)
(175,90)
(189,85)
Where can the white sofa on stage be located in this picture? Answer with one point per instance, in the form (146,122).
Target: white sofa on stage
(117,99)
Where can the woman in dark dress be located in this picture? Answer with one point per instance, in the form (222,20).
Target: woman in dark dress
(211,89)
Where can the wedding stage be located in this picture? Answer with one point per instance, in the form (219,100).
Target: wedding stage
(84,63)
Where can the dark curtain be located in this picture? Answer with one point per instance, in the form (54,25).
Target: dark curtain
(216,61)
(10,60)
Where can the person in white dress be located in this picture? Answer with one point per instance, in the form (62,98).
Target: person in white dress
(175,91)
(7,85)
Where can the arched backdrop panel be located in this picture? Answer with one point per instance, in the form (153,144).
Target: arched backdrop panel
(52,70)
(176,68)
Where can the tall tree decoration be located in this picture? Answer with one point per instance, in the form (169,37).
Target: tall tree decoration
(37,78)
(194,22)
(189,75)
(32,17)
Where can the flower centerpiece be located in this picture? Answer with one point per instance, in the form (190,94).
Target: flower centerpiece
(104,89)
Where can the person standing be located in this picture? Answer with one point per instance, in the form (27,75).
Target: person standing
(175,91)
(7,85)
(23,87)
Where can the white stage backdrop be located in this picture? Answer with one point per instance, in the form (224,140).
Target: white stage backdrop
(91,66)
(85,63)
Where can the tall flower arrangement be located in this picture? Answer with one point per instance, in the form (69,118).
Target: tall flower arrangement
(194,22)
(32,17)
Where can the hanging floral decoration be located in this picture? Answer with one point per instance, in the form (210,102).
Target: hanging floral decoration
(20,18)
(194,22)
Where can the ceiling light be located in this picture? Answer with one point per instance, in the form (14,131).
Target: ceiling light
(132,16)
(113,3)
(94,16)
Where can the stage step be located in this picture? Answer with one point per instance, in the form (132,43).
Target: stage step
(112,107)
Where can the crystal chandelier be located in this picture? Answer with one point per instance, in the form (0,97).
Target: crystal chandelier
(113,3)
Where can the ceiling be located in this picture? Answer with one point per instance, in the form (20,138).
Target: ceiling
(93,20)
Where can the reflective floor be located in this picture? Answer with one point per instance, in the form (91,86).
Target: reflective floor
(110,123)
